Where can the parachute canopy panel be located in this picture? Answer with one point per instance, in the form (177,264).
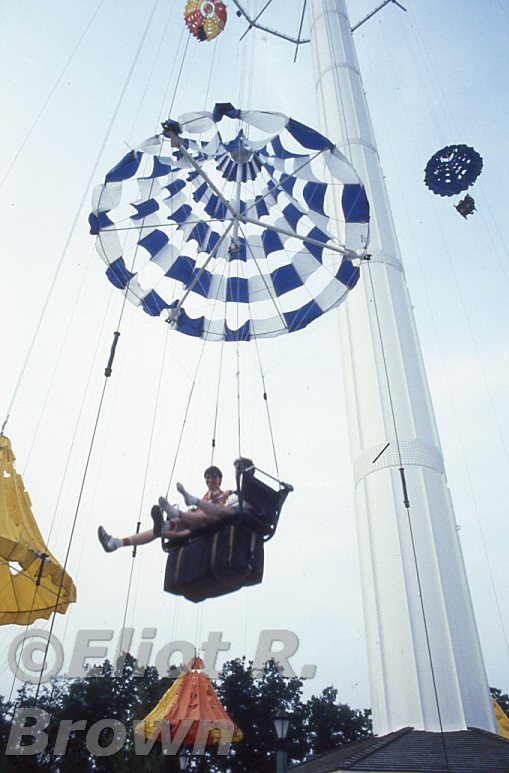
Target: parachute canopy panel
(452,170)
(205,19)
(191,706)
(33,585)
(233,224)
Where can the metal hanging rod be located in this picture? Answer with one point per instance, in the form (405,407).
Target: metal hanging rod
(298,40)
(379,8)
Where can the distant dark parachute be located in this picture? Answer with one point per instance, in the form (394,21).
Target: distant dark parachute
(205,19)
(452,170)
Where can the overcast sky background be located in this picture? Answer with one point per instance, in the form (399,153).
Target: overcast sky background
(435,75)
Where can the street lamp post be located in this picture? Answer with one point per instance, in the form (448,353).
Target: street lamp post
(281,724)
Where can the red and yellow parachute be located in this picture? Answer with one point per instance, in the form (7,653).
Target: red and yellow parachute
(191,702)
(205,18)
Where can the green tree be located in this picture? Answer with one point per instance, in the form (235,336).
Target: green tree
(105,693)
(251,697)
(329,724)
(501,698)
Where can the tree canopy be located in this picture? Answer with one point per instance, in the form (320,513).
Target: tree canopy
(251,697)
(126,693)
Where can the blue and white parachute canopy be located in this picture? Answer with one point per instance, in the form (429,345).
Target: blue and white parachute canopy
(249,232)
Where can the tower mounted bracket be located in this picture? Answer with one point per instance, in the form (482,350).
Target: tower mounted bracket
(297,41)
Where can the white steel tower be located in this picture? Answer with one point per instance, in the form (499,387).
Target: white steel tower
(425,661)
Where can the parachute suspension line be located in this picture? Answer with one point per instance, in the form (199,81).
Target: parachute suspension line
(186,413)
(220,371)
(452,402)
(77,216)
(242,73)
(37,584)
(64,477)
(73,440)
(464,306)
(19,655)
(107,373)
(148,79)
(116,334)
(266,400)
(152,432)
(235,236)
(277,185)
(237,375)
(216,413)
(250,67)
(237,343)
(144,486)
(21,647)
(429,81)
(212,66)
(73,527)
(198,628)
(261,374)
(179,75)
(406,503)
(50,94)
(35,433)
(486,554)
(499,246)
(273,298)
(199,274)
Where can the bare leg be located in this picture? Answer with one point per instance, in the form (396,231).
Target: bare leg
(215,511)
(192,520)
(170,510)
(189,499)
(110,543)
(142,538)
(174,531)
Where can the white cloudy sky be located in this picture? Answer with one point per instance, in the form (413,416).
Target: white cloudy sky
(434,75)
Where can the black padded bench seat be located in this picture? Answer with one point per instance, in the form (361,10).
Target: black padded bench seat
(216,561)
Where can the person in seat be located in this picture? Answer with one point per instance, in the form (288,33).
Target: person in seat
(214,496)
(204,512)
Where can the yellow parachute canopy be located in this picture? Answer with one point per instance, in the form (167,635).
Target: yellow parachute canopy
(502,719)
(33,585)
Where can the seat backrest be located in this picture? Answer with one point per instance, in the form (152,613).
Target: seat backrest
(266,502)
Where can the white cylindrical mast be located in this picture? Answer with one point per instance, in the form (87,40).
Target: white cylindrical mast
(425,661)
